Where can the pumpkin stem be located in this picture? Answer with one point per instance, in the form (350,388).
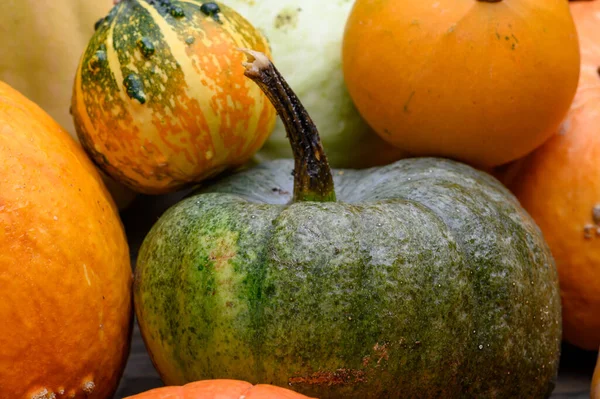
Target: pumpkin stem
(312,176)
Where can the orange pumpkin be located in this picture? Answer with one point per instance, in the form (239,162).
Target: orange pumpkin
(220,389)
(481,81)
(595,391)
(65,274)
(559,185)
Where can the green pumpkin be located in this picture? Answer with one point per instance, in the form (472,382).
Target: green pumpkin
(306,42)
(423,278)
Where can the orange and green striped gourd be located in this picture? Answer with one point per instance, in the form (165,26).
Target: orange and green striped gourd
(160,100)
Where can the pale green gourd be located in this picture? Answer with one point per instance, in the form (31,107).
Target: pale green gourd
(306,38)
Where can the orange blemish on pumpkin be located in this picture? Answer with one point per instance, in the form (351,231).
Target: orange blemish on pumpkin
(220,256)
(338,377)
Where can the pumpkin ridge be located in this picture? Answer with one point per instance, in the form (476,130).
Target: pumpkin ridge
(295,267)
(362,303)
(238,30)
(190,267)
(268,190)
(348,371)
(104,77)
(482,278)
(256,288)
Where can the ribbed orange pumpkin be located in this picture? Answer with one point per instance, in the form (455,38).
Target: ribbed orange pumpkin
(65,274)
(559,185)
(220,389)
(481,81)
(160,99)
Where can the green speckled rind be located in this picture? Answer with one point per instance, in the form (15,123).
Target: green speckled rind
(425,279)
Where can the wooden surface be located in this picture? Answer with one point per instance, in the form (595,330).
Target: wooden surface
(574,375)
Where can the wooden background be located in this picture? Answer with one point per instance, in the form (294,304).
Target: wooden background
(574,375)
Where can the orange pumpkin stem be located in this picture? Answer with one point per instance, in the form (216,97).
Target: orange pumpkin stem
(312,176)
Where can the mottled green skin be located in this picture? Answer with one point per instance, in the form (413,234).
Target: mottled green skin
(425,279)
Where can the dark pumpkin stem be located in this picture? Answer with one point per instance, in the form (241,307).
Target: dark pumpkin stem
(312,175)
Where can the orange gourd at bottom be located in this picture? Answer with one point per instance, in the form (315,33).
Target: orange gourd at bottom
(559,185)
(220,389)
(65,274)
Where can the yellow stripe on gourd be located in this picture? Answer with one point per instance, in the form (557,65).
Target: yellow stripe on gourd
(248,85)
(131,107)
(193,87)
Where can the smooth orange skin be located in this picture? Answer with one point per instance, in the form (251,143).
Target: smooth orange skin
(559,185)
(220,389)
(479,82)
(595,391)
(65,272)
